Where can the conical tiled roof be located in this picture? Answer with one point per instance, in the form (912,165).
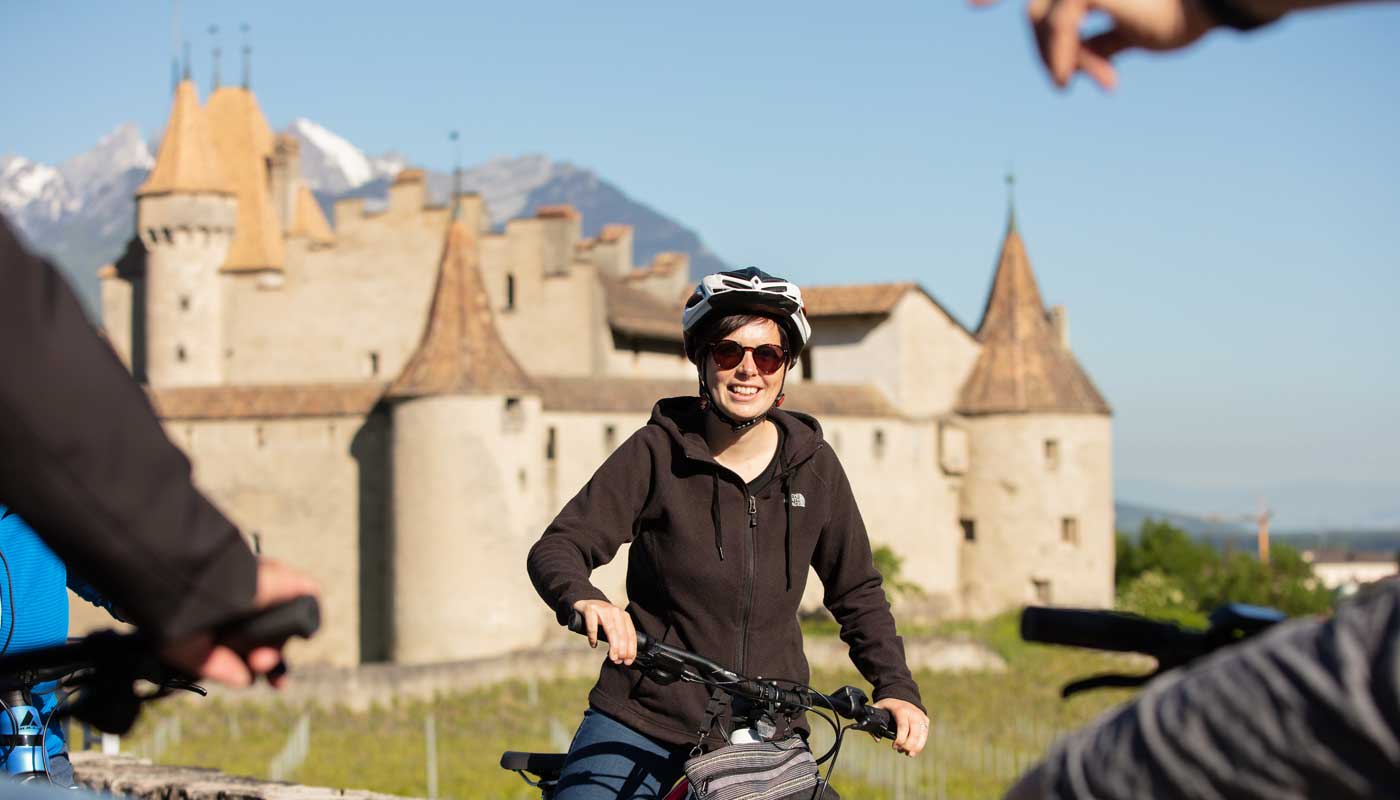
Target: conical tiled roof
(309,220)
(243,142)
(460,352)
(1023,366)
(186,161)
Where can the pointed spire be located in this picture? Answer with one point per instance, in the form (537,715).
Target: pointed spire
(174,46)
(214,80)
(460,352)
(187,161)
(247,58)
(309,220)
(455,138)
(1023,367)
(243,142)
(186,74)
(1010,200)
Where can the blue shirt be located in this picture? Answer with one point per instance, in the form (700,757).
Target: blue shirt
(34,587)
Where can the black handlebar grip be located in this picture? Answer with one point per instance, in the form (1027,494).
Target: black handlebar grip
(1104,630)
(884,721)
(576,625)
(300,616)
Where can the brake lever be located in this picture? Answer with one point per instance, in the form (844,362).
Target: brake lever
(1105,682)
(185,685)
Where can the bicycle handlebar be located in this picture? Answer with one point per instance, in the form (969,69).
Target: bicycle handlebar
(1110,630)
(848,702)
(112,661)
(1170,644)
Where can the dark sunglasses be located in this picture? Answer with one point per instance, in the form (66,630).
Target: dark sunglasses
(769,358)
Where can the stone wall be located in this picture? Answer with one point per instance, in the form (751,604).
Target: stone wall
(352,311)
(469,500)
(1043,520)
(120,776)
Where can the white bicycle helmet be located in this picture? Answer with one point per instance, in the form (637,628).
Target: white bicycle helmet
(749,291)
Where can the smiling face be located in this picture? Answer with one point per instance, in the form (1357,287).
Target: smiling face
(744,392)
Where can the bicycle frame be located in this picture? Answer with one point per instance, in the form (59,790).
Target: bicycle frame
(22,737)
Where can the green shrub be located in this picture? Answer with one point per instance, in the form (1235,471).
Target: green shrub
(1169,575)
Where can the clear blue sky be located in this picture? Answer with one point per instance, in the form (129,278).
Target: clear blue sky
(1225,229)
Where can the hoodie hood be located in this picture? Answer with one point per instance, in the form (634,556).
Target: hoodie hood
(684,422)
(683,419)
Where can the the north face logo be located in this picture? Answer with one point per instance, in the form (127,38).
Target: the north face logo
(797,500)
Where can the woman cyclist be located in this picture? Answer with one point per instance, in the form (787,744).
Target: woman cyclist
(726,500)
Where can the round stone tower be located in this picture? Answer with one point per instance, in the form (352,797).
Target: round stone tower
(185,214)
(468,469)
(1037,500)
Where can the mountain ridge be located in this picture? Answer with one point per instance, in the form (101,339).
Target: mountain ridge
(82,213)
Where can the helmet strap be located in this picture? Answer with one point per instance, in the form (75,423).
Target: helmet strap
(707,403)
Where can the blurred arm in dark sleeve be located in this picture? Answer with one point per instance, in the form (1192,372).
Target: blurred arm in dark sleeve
(84,460)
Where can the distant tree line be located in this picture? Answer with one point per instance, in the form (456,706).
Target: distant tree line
(1165,573)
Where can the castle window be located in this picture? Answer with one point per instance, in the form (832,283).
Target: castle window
(609,437)
(1052,453)
(257,542)
(260,435)
(879,443)
(510,292)
(523,477)
(1041,587)
(806,361)
(551,444)
(514,418)
(969,529)
(1069,530)
(373,363)
(184,302)
(180,354)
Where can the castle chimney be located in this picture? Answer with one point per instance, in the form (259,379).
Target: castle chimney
(1059,320)
(285,172)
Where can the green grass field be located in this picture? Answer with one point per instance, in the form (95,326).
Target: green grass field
(987,726)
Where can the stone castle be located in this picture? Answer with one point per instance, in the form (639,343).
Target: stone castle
(400,402)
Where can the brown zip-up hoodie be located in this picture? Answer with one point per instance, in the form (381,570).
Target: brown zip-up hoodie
(717,571)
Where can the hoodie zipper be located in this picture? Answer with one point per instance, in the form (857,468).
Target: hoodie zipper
(750,576)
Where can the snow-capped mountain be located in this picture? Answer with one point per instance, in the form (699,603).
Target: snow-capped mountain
(515,187)
(331,165)
(82,213)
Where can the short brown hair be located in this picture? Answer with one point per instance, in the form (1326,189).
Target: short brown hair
(718,327)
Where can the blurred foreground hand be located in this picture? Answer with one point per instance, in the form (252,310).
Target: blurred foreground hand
(200,656)
(1145,24)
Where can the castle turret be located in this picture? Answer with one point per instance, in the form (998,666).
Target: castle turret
(468,461)
(1037,501)
(185,216)
(244,144)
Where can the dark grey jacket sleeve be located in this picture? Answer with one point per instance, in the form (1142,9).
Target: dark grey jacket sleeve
(1309,710)
(85,461)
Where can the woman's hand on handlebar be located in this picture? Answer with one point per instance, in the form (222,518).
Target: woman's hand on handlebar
(202,657)
(911,725)
(616,625)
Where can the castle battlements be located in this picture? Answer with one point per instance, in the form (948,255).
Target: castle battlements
(399,402)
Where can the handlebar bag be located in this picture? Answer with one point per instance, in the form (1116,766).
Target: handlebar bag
(776,770)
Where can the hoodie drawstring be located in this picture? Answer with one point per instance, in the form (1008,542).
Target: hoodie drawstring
(787,531)
(714,516)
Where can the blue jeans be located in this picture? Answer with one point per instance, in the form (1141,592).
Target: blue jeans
(61,771)
(609,760)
